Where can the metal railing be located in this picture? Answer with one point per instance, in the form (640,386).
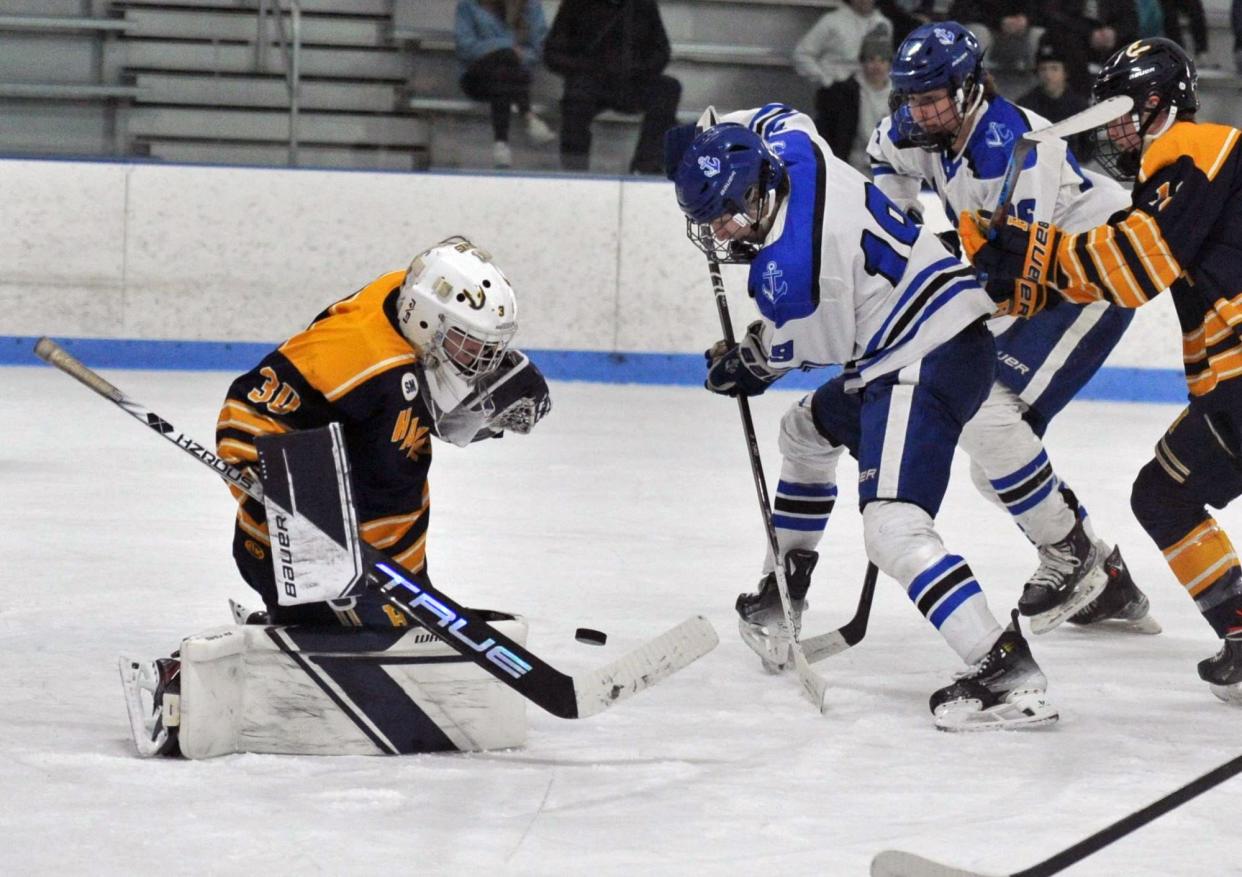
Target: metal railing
(291,47)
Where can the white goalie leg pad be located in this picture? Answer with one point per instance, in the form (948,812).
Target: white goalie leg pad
(316,691)
(1010,467)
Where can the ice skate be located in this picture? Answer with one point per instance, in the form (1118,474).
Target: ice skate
(1070,575)
(1121,605)
(761,619)
(1003,691)
(1223,671)
(245,615)
(153,699)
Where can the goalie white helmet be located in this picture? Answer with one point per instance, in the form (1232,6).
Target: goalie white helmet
(457,309)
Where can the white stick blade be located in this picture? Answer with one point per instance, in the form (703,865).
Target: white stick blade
(647,665)
(814,686)
(895,863)
(824,645)
(1092,117)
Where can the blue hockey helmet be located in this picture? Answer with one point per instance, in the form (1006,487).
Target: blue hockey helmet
(938,55)
(728,170)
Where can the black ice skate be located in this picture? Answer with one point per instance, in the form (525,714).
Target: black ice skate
(1223,671)
(154,726)
(1003,691)
(1121,605)
(1070,575)
(761,618)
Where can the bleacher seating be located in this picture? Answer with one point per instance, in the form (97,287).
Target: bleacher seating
(199,80)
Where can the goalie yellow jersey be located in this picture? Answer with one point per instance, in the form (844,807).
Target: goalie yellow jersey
(1182,232)
(353,366)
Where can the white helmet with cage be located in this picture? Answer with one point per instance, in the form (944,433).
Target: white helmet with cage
(457,309)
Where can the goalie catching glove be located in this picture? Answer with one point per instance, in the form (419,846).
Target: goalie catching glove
(741,368)
(519,393)
(1016,265)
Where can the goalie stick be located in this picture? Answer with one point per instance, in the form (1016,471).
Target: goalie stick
(1092,117)
(895,863)
(562,695)
(814,686)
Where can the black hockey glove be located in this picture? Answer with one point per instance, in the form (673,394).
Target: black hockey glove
(741,369)
(520,394)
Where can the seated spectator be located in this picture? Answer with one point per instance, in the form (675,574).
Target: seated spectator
(612,54)
(1193,10)
(1052,97)
(498,41)
(829,50)
(1006,30)
(847,111)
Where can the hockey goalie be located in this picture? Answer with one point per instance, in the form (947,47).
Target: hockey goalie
(336,423)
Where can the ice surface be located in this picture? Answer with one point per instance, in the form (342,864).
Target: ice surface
(627,510)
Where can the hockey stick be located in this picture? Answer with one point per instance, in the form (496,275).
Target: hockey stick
(814,686)
(1092,117)
(894,863)
(565,696)
(825,645)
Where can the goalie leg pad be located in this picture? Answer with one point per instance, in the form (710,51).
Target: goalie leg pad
(305,690)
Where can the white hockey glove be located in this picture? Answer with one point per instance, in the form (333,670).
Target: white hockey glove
(519,393)
(741,369)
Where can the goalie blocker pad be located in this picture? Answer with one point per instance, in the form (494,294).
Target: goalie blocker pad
(308,494)
(302,690)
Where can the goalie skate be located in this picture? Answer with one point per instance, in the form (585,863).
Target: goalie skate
(1121,605)
(1005,690)
(153,701)
(761,618)
(1070,575)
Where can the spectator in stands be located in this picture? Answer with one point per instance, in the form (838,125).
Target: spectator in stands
(1086,42)
(828,52)
(612,54)
(1052,97)
(906,15)
(1193,10)
(498,41)
(1006,29)
(847,111)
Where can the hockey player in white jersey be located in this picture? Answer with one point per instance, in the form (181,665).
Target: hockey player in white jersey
(842,276)
(951,131)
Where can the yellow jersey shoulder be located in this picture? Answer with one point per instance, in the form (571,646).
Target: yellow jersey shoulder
(352,342)
(1207,144)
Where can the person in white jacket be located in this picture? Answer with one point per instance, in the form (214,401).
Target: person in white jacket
(829,50)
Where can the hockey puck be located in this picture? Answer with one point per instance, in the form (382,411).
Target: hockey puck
(590,637)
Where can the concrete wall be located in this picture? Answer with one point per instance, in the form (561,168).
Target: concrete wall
(145,251)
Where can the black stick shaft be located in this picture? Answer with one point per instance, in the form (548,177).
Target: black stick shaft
(1135,820)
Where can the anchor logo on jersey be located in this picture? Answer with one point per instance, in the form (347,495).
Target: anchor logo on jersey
(999,135)
(774,288)
(709,166)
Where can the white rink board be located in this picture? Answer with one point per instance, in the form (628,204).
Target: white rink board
(102,250)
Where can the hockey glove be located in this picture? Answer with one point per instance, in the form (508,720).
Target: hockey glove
(520,394)
(1017,265)
(741,369)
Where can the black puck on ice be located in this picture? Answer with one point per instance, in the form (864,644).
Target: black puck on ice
(590,637)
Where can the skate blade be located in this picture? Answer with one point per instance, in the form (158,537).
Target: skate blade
(1145,625)
(773,652)
(1228,693)
(1021,712)
(1088,589)
(133,682)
